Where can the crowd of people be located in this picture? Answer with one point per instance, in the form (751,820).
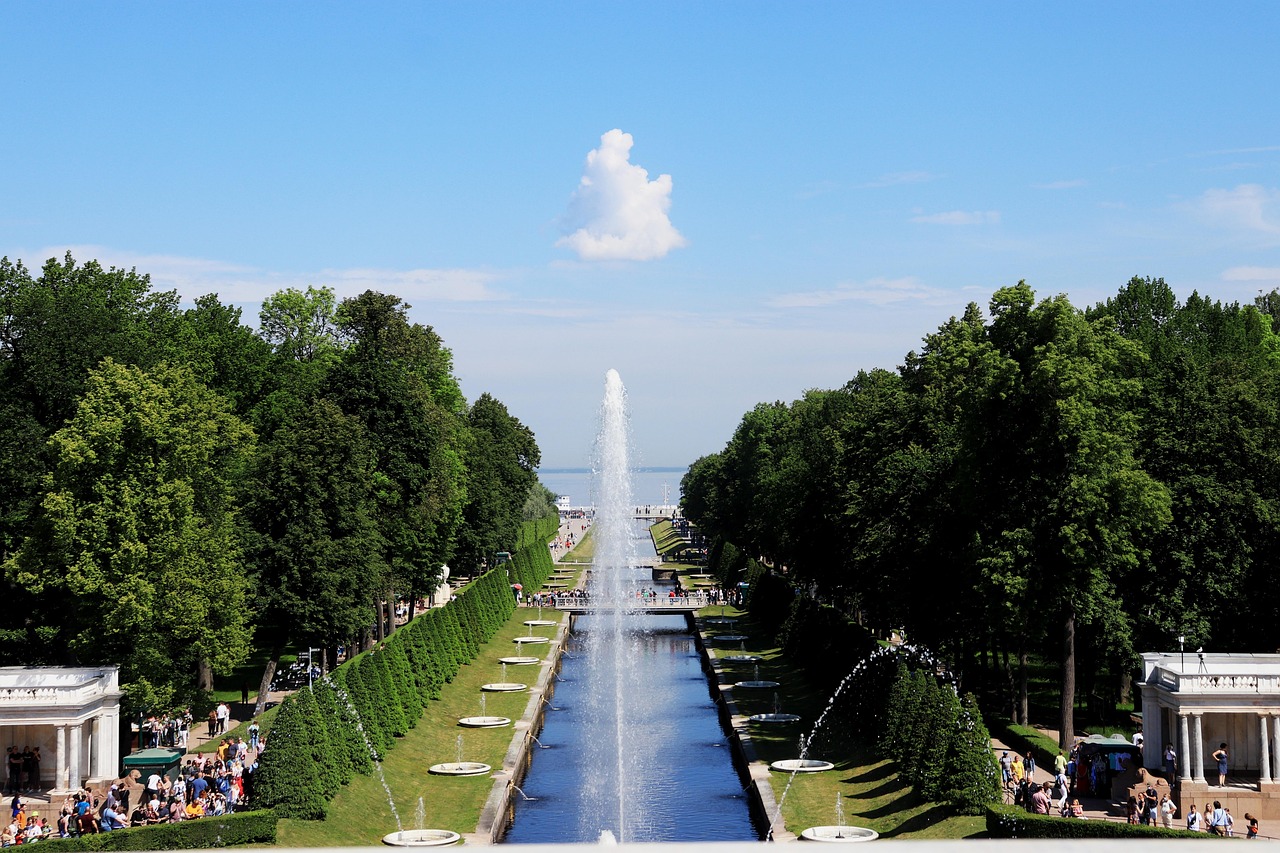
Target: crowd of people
(1153,807)
(209,784)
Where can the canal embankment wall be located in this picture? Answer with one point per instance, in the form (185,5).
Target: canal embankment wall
(496,814)
(755,774)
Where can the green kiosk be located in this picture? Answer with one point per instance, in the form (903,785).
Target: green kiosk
(166,762)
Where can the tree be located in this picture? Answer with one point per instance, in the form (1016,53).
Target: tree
(311,535)
(1066,493)
(134,547)
(397,378)
(500,473)
(301,325)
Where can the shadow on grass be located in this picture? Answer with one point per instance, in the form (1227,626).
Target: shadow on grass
(874,774)
(923,820)
(891,786)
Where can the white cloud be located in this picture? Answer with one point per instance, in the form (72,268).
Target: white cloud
(876,291)
(1059,185)
(1251,274)
(1249,207)
(617,213)
(959,217)
(238,283)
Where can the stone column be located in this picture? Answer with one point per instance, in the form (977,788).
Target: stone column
(77,738)
(60,759)
(1197,750)
(1264,759)
(1275,747)
(94,730)
(1184,745)
(108,750)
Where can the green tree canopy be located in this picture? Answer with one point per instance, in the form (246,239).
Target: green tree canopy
(135,551)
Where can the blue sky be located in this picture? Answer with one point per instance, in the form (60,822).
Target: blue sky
(840,178)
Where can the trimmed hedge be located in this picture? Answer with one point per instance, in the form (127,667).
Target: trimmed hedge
(332,729)
(1023,740)
(256,827)
(939,743)
(1004,821)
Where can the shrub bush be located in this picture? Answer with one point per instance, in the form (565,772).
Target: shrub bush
(287,778)
(255,827)
(1022,740)
(1004,821)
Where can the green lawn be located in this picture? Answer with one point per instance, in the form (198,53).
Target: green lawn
(584,551)
(872,795)
(360,814)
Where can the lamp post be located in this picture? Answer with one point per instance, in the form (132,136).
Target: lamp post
(1182,651)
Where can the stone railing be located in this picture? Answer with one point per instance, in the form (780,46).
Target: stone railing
(62,694)
(1209,682)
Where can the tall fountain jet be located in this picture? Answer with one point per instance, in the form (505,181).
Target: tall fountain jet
(615,740)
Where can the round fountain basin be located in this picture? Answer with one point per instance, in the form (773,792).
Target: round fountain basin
(801,765)
(539,623)
(557,586)
(459,768)
(754,684)
(530,641)
(730,638)
(484,722)
(742,658)
(503,687)
(839,834)
(721,620)
(519,661)
(421,838)
(774,718)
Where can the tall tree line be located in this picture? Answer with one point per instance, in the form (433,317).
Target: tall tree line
(177,488)
(1037,479)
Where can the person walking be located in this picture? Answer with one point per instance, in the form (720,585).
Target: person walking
(1251,824)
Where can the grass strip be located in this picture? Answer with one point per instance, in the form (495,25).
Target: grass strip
(872,794)
(360,814)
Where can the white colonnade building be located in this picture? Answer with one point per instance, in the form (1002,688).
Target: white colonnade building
(72,714)
(1198,701)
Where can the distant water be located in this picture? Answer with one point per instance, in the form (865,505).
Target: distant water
(646,484)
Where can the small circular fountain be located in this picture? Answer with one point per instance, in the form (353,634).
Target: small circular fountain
(774,718)
(520,661)
(729,638)
(801,765)
(539,623)
(459,768)
(530,641)
(756,682)
(839,834)
(484,722)
(742,658)
(421,838)
(504,687)
(722,620)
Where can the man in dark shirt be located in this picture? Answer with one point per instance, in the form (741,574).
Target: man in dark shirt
(15,769)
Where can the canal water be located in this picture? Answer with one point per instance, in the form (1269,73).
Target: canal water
(688,789)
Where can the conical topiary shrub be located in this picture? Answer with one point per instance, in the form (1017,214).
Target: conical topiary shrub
(287,779)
